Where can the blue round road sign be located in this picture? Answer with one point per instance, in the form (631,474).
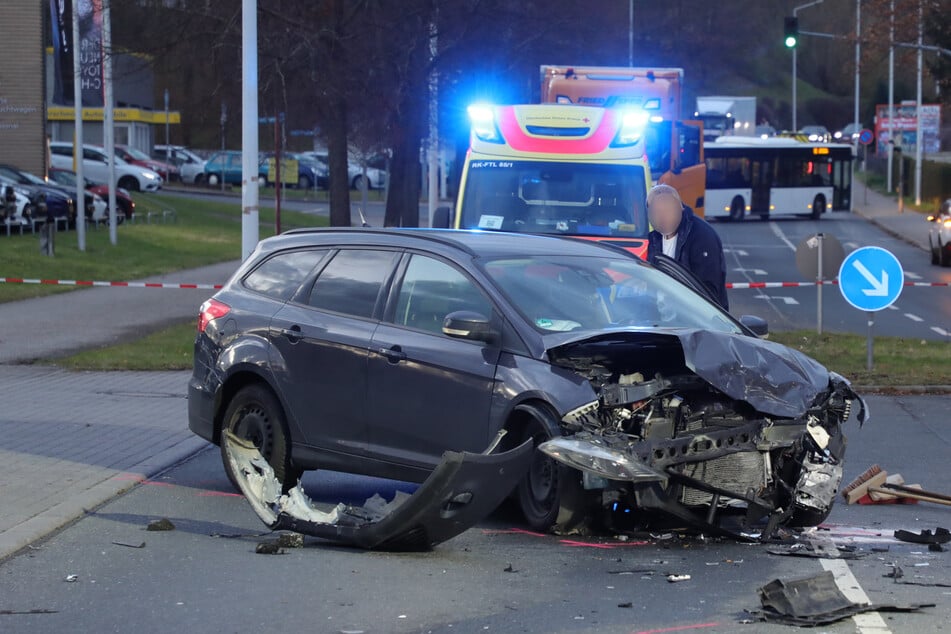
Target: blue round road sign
(866,137)
(871,278)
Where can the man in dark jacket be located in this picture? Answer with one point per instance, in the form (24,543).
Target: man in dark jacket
(681,235)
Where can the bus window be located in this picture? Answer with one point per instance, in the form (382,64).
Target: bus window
(688,144)
(657,141)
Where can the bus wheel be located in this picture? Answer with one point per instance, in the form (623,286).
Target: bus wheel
(818,207)
(737,209)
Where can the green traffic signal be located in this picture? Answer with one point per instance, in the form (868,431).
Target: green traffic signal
(791,30)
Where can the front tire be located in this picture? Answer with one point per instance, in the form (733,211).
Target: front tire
(255,414)
(933,252)
(213,180)
(129,182)
(944,254)
(737,209)
(304,183)
(358,182)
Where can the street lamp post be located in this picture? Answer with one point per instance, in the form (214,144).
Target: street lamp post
(795,48)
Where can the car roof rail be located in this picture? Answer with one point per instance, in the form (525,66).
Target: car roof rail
(440,236)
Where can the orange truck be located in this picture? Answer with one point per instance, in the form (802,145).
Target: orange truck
(674,146)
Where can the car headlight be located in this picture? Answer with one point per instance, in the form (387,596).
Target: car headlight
(151,176)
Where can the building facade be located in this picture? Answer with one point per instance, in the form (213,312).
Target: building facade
(22,85)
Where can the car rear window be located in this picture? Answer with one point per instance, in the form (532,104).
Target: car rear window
(351,282)
(281,275)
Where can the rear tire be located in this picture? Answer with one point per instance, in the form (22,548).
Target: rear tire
(255,414)
(358,182)
(304,183)
(944,254)
(818,207)
(213,180)
(934,253)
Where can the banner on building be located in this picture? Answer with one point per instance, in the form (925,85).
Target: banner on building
(89,48)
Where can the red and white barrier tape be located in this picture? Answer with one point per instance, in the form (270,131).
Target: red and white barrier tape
(215,287)
(23,280)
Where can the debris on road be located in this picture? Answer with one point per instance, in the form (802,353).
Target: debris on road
(163,524)
(815,600)
(509,568)
(462,490)
(33,611)
(270,548)
(71,578)
(626,604)
(290,540)
(678,578)
(139,545)
(939,536)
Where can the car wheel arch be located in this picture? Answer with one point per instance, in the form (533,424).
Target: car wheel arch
(237,380)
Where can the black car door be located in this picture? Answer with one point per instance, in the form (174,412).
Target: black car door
(320,343)
(429,392)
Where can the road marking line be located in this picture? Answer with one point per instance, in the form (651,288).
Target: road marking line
(940,331)
(912,276)
(789,301)
(893,307)
(851,245)
(782,236)
(739,252)
(913,317)
(753,271)
(867,623)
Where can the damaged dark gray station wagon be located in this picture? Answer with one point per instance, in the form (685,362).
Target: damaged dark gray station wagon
(378,351)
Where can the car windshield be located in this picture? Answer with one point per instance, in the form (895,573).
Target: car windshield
(32,178)
(560,294)
(64,178)
(556,198)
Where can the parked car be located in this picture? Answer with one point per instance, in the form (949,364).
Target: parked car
(125,206)
(190,165)
(376,351)
(226,165)
(132,156)
(94,205)
(939,235)
(376,176)
(310,171)
(22,210)
(95,167)
(60,204)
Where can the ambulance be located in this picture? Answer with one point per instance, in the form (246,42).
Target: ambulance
(562,170)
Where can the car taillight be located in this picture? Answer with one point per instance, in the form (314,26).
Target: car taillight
(211,310)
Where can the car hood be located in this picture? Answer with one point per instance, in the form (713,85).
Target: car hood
(772,378)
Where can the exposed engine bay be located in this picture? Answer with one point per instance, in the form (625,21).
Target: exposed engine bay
(701,425)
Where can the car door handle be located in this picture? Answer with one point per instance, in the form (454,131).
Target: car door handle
(393,354)
(293,333)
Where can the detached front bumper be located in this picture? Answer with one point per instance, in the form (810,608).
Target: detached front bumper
(462,490)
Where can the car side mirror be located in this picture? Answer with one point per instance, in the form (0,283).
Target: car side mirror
(442,218)
(757,325)
(466,324)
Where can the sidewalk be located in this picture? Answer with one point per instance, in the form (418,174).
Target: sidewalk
(882,211)
(70,441)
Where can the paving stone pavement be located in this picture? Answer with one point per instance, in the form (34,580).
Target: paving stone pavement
(70,441)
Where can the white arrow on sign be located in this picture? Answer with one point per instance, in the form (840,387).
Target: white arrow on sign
(879,287)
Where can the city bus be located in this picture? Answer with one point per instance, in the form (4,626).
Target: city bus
(674,146)
(563,170)
(753,176)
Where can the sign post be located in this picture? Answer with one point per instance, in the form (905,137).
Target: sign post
(817,257)
(871,279)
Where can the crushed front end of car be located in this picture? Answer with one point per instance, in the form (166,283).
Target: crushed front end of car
(701,425)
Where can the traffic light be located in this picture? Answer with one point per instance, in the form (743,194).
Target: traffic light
(791,30)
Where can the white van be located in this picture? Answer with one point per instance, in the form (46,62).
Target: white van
(96,167)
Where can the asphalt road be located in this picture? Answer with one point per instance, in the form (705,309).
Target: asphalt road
(758,251)
(205,575)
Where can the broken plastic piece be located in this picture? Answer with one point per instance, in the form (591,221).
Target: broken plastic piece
(677,578)
(462,490)
(163,524)
(815,601)
(939,536)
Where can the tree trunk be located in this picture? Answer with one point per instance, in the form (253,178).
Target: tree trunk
(338,164)
(402,202)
